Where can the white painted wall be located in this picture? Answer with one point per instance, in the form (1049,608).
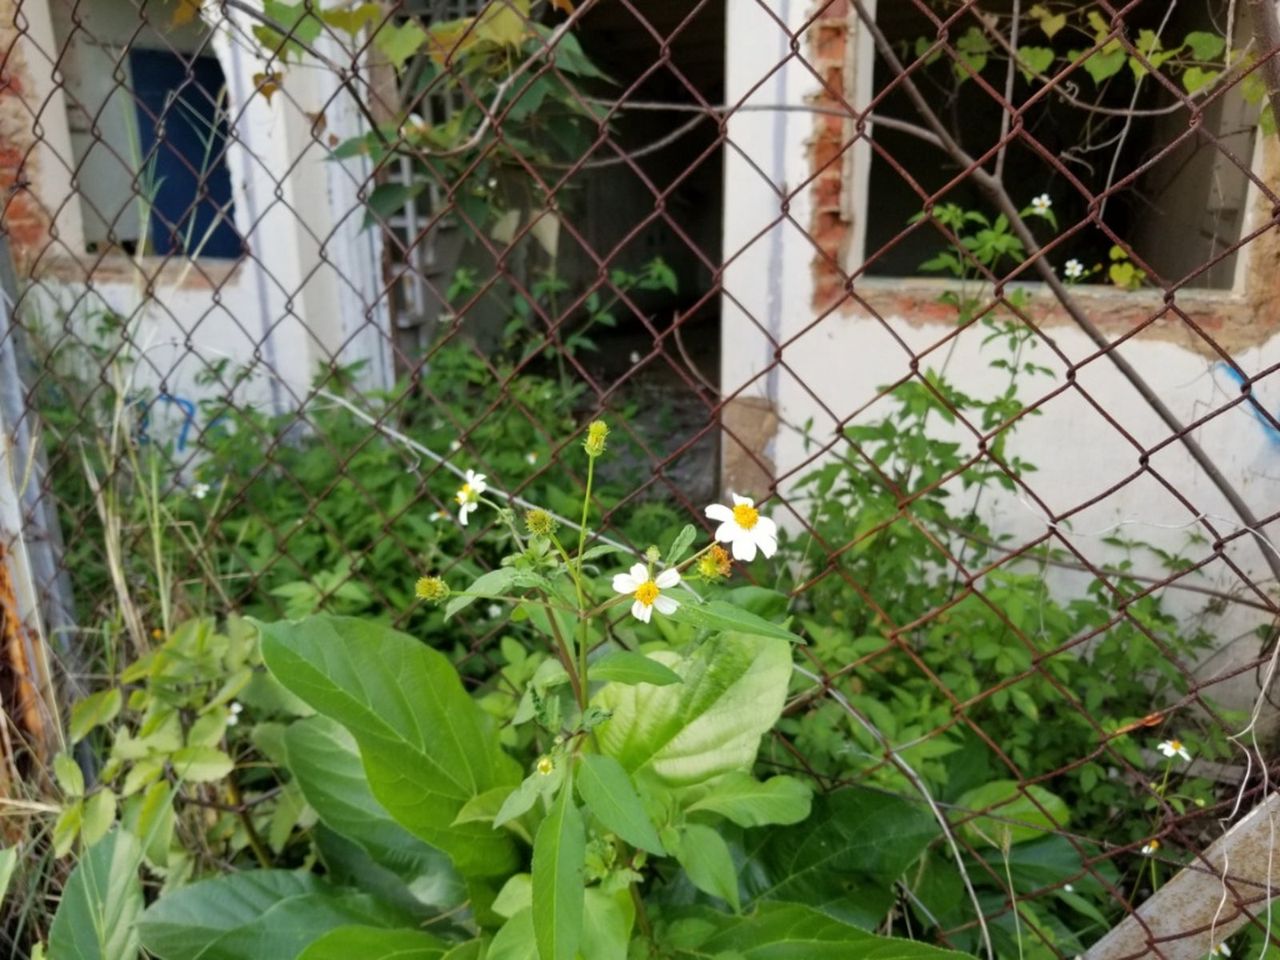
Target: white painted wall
(310,289)
(839,364)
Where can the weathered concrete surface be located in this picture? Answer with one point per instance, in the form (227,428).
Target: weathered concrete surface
(1209,900)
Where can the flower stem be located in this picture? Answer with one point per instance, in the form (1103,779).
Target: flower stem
(584,625)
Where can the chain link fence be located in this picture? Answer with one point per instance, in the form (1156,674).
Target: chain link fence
(978,298)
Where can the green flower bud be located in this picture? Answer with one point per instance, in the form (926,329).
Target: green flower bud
(431,589)
(597,433)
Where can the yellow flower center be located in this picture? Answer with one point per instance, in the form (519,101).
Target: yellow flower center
(1175,745)
(745,516)
(545,766)
(647,592)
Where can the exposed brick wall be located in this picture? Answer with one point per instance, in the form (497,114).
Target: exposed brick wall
(22,216)
(830,228)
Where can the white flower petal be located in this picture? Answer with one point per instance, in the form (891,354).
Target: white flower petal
(768,545)
(667,578)
(641,611)
(742,501)
(625,583)
(744,549)
(639,572)
(718,511)
(766,527)
(666,605)
(727,532)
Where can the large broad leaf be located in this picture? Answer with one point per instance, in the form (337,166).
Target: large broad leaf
(292,925)
(325,763)
(790,931)
(610,795)
(706,859)
(101,902)
(372,943)
(749,802)
(844,859)
(709,725)
(185,922)
(721,615)
(559,852)
(1018,813)
(427,748)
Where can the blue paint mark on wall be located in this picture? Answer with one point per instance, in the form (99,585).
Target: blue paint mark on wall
(188,409)
(1259,412)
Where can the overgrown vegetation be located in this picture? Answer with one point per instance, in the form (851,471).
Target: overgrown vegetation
(551,761)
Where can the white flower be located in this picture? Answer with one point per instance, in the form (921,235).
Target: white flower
(531,458)
(1174,748)
(647,590)
(1221,950)
(1041,204)
(235,709)
(468,495)
(1068,888)
(1073,270)
(437,515)
(1150,847)
(200,491)
(635,357)
(455,446)
(742,526)
(494,611)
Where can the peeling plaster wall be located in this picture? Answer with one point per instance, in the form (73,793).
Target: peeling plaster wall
(311,289)
(786,226)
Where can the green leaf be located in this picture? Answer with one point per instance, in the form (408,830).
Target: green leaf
(680,545)
(400,43)
(67,827)
(1016,814)
(389,199)
(844,858)
(1195,78)
(373,943)
(257,913)
(101,902)
(1106,62)
(709,725)
(516,895)
(1205,46)
(706,859)
(607,922)
(68,774)
(1035,61)
(201,764)
(99,815)
(791,931)
(427,748)
(495,583)
(182,924)
(1050,23)
(483,808)
(559,852)
(518,802)
(749,802)
(515,939)
(609,794)
(624,666)
(8,858)
(720,616)
(93,711)
(325,763)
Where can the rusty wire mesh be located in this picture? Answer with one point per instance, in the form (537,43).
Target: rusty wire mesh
(105,369)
